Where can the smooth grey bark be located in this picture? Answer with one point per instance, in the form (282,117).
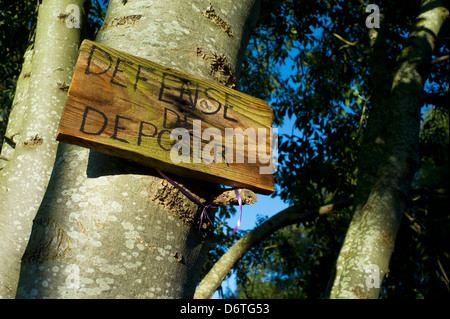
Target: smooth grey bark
(38,103)
(108,228)
(389,161)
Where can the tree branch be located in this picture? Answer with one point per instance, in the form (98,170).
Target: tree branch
(288,216)
(38,105)
(347,43)
(370,239)
(440,59)
(438,100)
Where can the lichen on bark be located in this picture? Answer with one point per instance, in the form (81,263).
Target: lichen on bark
(131,234)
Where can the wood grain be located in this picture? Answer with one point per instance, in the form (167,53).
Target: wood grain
(128,106)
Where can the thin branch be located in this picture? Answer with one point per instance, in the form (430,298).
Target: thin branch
(347,43)
(440,59)
(268,7)
(286,217)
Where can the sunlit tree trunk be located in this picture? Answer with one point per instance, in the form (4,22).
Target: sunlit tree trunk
(388,163)
(108,227)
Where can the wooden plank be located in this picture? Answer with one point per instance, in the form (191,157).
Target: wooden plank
(136,109)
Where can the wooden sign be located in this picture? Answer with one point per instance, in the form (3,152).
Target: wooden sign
(136,109)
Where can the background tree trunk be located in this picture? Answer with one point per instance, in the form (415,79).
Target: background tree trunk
(289,216)
(108,227)
(384,187)
(38,103)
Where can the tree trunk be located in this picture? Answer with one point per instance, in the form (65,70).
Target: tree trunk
(223,266)
(108,227)
(30,153)
(384,187)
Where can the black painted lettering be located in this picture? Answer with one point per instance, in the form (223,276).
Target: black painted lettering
(227,106)
(223,153)
(186,89)
(116,69)
(117,127)
(91,54)
(83,122)
(188,119)
(141,129)
(182,87)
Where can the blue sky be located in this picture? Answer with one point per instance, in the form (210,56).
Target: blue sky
(266,206)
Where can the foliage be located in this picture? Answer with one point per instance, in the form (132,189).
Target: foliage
(326,86)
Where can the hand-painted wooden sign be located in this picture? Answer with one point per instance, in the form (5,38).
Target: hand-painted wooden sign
(136,109)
